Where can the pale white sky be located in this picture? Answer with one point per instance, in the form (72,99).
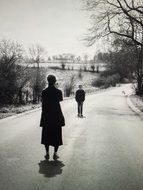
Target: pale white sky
(57,25)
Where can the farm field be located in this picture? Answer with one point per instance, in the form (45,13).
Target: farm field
(64,77)
(74,66)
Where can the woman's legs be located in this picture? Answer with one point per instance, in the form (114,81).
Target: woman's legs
(55,156)
(47,151)
(56,149)
(47,148)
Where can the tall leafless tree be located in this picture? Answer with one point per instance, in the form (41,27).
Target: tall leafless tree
(123,18)
(37,54)
(10,56)
(119,17)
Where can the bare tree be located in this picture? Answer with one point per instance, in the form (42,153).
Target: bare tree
(10,55)
(116,17)
(123,18)
(37,54)
(10,51)
(69,86)
(92,67)
(63,59)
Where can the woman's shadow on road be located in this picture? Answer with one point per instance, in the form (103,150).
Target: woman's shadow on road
(50,168)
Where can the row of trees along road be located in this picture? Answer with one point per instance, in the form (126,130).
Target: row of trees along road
(16,78)
(122,19)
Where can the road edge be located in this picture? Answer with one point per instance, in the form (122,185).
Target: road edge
(19,114)
(132,106)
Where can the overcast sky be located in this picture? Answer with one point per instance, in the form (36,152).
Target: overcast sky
(57,25)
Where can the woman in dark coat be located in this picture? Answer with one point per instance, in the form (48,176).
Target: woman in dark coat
(52,118)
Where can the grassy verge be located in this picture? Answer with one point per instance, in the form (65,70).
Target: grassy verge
(137,101)
(9,110)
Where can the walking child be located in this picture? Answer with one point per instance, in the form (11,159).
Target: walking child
(80,97)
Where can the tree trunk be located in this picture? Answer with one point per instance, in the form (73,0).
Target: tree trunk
(139,73)
(20,97)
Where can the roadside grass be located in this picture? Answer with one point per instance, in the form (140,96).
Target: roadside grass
(137,101)
(9,110)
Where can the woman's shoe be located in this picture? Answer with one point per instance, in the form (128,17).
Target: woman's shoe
(47,156)
(55,156)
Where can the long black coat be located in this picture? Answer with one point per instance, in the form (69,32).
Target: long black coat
(52,118)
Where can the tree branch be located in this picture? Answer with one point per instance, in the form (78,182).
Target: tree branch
(127,13)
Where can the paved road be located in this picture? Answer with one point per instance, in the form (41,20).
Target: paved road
(103,151)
